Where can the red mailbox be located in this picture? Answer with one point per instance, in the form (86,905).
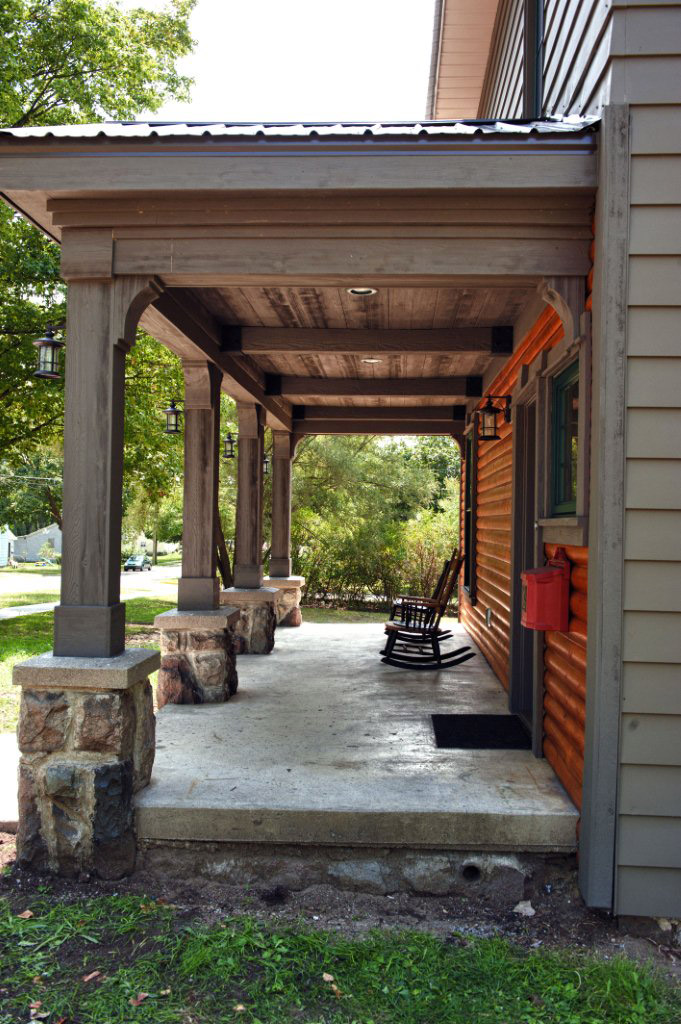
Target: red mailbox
(545,600)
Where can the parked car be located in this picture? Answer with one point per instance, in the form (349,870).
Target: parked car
(137,563)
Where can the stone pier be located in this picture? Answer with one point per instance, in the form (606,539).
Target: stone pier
(198,663)
(87,740)
(254,632)
(288,599)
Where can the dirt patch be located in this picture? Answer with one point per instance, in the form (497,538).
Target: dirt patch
(560,920)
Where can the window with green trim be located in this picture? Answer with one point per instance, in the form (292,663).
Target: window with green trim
(565,441)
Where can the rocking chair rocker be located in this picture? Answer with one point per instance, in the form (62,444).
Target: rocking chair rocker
(419,631)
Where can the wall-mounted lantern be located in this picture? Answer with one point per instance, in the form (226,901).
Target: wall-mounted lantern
(228,446)
(172,415)
(48,355)
(266,464)
(488,416)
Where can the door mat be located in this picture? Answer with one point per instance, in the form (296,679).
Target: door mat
(480,732)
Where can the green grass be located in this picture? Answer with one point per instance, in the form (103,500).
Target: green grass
(24,567)
(32,597)
(29,635)
(169,559)
(199,974)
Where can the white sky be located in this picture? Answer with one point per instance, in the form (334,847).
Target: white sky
(312,60)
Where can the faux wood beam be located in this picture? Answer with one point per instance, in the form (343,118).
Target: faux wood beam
(440,413)
(378,426)
(347,387)
(177,312)
(198,585)
(278,341)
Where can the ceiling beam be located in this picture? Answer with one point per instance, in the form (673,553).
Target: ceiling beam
(281,340)
(377,426)
(180,313)
(442,414)
(371,387)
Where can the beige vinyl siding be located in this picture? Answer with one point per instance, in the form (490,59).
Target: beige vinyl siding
(463,36)
(648,857)
(502,93)
(577,46)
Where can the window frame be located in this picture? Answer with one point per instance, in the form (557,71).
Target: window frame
(560,383)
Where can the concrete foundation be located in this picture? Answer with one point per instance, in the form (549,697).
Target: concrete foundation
(325,746)
(198,663)
(288,599)
(254,629)
(87,740)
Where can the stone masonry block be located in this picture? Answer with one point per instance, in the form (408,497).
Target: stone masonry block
(104,722)
(31,846)
(43,721)
(144,745)
(112,821)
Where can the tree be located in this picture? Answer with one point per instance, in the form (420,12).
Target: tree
(65,61)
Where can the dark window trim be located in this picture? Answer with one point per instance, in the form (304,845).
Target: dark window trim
(533,59)
(562,380)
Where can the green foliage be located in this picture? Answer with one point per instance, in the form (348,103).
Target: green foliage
(365,509)
(154,966)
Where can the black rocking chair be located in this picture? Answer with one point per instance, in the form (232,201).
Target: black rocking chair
(403,602)
(414,641)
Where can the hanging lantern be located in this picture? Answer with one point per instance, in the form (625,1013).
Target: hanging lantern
(228,447)
(172,415)
(488,416)
(48,355)
(266,464)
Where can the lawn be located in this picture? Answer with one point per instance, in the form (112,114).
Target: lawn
(340,615)
(32,634)
(31,597)
(123,958)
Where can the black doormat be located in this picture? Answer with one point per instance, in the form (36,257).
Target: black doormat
(480,732)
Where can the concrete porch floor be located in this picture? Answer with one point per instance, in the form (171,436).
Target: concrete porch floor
(325,745)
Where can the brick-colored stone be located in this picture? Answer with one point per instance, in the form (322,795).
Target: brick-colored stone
(144,748)
(175,682)
(43,721)
(104,722)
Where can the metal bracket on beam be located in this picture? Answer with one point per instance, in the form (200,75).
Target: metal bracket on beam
(502,341)
(272,384)
(230,338)
(473,387)
(458,412)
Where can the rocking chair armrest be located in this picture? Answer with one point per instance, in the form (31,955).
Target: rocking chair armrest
(422,602)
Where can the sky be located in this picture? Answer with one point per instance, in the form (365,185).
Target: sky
(312,60)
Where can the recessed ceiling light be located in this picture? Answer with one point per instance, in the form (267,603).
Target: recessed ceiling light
(372,360)
(361,290)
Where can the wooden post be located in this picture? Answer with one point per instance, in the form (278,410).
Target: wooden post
(198,587)
(282,458)
(102,317)
(248,542)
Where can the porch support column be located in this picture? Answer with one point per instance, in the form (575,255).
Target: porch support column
(249,500)
(102,317)
(282,458)
(198,586)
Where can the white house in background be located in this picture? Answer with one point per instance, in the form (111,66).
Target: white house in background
(7,540)
(28,548)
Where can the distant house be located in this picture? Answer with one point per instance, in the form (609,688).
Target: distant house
(28,548)
(7,540)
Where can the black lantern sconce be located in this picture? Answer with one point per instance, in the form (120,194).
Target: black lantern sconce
(172,415)
(229,444)
(488,416)
(48,355)
(266,464)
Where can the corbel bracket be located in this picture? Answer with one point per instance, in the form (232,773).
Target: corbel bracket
(567,296)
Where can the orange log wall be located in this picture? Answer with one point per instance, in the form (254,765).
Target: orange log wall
(565,653)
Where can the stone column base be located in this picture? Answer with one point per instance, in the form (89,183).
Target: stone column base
(288,598)
(198,661)
(254,632)
(87,740)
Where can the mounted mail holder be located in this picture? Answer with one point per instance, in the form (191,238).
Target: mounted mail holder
(545,595)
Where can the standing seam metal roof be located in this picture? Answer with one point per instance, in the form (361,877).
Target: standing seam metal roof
(221,129)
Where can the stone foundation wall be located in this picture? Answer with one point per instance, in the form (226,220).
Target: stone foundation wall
(84,753)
